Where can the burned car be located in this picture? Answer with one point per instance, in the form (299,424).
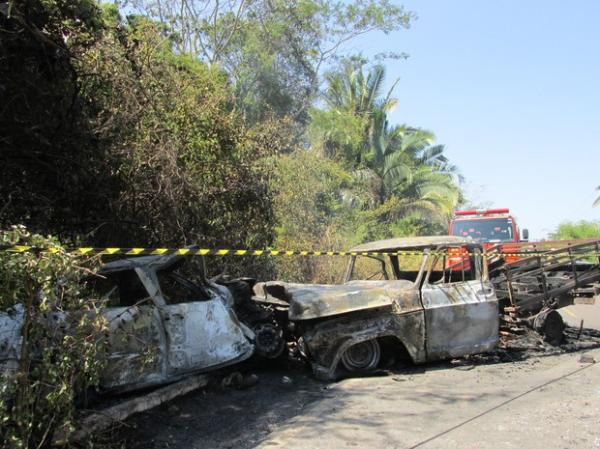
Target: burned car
(437,305)
(162,326)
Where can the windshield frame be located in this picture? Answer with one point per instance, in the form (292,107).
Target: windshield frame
(502,222)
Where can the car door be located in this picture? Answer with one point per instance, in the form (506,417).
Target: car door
(460,317)
(202,331)
(136,341)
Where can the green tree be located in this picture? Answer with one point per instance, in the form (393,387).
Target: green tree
(313,212)
(402,168)
(53,175)
(571,230)
(192,169)
(113,138)
(273,50)
(353,100)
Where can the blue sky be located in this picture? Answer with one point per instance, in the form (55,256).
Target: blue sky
(512,88)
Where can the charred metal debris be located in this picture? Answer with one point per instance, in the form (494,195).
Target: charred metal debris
(446,303)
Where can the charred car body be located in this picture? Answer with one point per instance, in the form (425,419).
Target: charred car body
(162,326)
(425,307)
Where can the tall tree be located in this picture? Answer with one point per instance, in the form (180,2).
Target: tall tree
(403,163)
(274,50)
(402,167)
(350,90)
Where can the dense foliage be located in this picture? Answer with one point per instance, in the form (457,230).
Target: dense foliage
(166,126)
(577,230)
(37,395)
(239,124)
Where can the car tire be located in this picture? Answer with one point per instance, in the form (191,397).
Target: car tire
(362,357)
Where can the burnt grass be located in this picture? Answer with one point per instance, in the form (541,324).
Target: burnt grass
(221,416)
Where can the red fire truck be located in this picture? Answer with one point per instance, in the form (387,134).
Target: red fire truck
(490,227)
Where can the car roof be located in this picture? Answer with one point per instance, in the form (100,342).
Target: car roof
(159,262)
(414,242)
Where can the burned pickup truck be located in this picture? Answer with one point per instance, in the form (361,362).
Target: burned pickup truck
(421,306)
(161,325)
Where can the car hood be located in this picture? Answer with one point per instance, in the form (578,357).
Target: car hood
(310,301)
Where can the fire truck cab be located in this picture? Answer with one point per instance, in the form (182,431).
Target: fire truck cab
(490,227)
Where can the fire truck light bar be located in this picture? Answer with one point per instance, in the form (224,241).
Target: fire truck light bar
(481,212)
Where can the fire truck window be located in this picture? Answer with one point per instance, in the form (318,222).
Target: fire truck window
(484,230)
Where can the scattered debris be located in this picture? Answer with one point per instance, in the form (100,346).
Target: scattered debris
(586,358)
(238,381)
(462,364)
(551,280)
(104,418)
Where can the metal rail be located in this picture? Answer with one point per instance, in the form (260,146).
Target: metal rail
(551,279)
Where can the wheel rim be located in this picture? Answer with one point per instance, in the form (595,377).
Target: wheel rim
(268,340)
(362,356)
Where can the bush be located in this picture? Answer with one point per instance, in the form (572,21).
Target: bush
(314,210)
(570,230)
(61,354)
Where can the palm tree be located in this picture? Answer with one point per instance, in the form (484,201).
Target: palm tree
(403,169)
(353,99)
(350,90)
(403,163)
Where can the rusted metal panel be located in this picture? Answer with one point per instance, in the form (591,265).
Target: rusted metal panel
(136,348)
(413,242)
(310,301)
(203,335)
(461,318)
(327,340)
(11,322)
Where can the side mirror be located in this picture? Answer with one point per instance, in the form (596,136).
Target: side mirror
(525,233)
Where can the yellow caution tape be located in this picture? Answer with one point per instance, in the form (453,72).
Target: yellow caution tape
(86,251)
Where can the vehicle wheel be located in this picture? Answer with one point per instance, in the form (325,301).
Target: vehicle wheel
(269,340)
(362,356)
(550,325)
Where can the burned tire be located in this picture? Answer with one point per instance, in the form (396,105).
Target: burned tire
(362,357)
(269,341)
(550,325)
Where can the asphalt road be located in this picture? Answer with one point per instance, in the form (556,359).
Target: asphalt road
(588,313)
(520,400)
(550,402)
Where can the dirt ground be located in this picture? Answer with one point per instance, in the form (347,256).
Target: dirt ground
(525,395)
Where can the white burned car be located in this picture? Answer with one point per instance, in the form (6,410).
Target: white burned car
(162,326)
(429,307)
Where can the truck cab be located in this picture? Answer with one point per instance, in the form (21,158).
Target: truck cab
(491,226)
(488,227)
